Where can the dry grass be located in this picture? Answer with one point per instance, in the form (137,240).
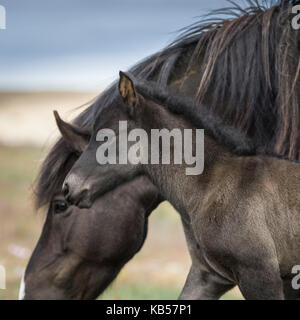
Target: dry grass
(27,118)
(20,228)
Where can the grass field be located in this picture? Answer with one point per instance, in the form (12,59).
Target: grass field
(20,227)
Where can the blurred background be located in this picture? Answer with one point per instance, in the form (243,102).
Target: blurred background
(60,54)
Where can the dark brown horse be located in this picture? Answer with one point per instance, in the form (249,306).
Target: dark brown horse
(244,212)
(224,59)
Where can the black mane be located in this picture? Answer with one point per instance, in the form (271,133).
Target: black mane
(250,68)
(237,142)
(200,116)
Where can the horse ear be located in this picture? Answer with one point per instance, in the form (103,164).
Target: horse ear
(75,138)
(127,90)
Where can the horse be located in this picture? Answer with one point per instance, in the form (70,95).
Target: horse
(181,67)
(80,252)
(244,211)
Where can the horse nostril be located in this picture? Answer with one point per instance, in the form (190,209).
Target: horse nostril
(65,190)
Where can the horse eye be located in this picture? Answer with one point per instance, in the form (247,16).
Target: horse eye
(105,139)
(60,207)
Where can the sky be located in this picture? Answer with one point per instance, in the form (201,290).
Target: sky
(81,45)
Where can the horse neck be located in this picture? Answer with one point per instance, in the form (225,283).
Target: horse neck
(145,194)
(141,193)
(171,180)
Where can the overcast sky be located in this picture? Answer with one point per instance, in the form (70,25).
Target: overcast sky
(81,45)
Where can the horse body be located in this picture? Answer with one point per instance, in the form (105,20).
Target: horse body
(244,229)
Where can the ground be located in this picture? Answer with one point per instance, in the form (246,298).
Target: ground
(158,271)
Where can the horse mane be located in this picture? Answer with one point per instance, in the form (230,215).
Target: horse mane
(249,61)
(244,81)
(200,116)
(249,65)
(237,142)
